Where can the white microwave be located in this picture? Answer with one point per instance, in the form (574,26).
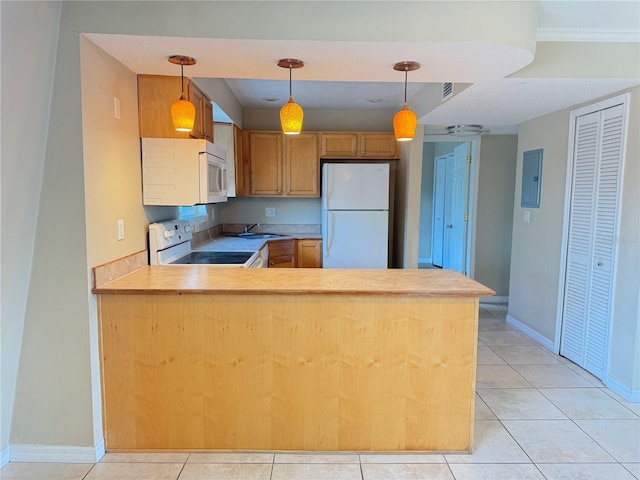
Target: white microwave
(181,172)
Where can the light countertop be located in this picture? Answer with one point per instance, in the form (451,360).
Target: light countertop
(230,242)
(202,279)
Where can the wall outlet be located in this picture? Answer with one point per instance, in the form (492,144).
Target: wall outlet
(270,212)
(120,229)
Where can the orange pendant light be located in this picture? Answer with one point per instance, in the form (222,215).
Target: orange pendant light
(183,112)
(405,121)
(291,114)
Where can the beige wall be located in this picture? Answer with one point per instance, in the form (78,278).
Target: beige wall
(29,38)
(408,183)
(536,247)
(112,174)
(288,211)
(535,253)
(323,120)
(494,211)
(625,334)
(426,202)
(46,281)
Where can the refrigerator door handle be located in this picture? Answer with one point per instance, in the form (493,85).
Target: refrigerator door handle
(327,234)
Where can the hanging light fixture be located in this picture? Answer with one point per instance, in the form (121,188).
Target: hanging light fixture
(291,114)
(405,121)
(182,111)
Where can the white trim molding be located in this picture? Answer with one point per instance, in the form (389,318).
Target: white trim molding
(56,453)
(582,35)
(4,457)
(622,390)
(531,333)
(494,299)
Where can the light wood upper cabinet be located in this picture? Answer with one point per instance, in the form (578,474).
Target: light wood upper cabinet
(203,126)
(339,145)
(309,253)
(378,145)
(358,145)
(280,165)
(265,163)
(302,165)
(156,94)
(240,162)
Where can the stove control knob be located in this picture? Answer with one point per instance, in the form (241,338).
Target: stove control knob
(169,233)
(187,228)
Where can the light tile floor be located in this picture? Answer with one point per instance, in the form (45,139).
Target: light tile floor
(538,416)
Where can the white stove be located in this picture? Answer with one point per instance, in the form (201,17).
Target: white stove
(170,244)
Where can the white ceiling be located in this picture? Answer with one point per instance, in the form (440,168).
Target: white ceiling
(359,75)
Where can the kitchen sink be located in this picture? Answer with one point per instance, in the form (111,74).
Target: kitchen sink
(256,236)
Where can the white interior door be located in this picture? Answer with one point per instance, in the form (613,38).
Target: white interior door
(438,209)
(455,209)
(586,316)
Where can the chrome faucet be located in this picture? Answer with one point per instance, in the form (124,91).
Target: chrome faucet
(247,228)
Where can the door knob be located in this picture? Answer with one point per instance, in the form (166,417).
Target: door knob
(599,264)
(450,225)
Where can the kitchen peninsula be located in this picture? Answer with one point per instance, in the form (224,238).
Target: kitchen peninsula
(289,359)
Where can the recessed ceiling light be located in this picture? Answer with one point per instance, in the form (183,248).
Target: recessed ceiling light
(375,100)
(270,99)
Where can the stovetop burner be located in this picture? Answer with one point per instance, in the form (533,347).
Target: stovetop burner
(218,258)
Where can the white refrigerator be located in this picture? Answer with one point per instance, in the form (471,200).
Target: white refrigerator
(355,215)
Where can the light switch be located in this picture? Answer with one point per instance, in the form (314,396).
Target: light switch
(120,229)
(116,107)
(270,212)
(526,216)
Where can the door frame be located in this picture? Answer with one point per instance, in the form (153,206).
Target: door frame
(623,99)
(474,145)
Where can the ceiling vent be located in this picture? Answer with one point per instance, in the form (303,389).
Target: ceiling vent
(447,90)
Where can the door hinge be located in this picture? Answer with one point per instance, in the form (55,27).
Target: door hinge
(469,159)
(466,217)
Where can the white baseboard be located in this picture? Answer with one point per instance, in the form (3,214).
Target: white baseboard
(531,333)
(495,299)
(625,392)
(56,453)
(4,457)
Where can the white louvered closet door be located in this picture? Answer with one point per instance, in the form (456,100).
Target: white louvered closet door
(592,229)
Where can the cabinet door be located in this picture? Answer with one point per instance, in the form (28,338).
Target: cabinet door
(309,253)
(203,126)
(207,118)
(378,145)
(339,145)
(239,147)
(156,94)
(282,254)
(302,165)
(265,163)
(195,97)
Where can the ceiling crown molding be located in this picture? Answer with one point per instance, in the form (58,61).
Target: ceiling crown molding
(582,35)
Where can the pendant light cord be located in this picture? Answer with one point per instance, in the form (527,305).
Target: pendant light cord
(405,86)
(182,79)
(290,81)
